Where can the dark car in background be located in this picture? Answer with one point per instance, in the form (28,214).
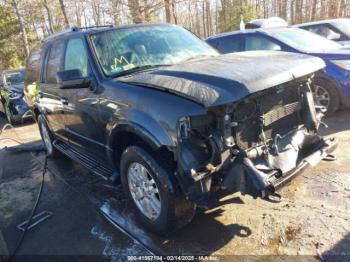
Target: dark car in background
(12,102)
(331,87)
(333,29)
(174,119)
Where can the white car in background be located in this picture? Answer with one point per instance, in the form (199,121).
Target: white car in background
(335,29)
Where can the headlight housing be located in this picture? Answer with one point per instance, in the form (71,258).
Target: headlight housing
(344,64)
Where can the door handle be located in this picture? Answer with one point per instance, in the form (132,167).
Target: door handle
(64,100)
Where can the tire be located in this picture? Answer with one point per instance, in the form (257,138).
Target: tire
(175,211)
(10,118)
(47,138)
(323,84)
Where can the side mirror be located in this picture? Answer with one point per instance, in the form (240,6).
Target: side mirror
(72,79)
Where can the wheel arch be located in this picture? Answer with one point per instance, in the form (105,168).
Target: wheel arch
(326,77)
(127,134)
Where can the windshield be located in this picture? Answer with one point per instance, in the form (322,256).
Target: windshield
(305,41)
(122,50)
(14,78)
(343,26)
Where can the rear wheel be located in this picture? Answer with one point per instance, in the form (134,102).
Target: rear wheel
(149,187)
(325,94)
(47,137)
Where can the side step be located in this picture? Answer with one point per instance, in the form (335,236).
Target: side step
(87,161)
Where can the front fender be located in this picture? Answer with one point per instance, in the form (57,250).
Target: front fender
(142,125)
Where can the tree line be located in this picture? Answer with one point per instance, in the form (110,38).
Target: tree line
(24,23)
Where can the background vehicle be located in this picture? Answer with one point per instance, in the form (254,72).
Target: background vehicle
(266,23)
(163,110)
(331,88)
(333,29)
(12,102)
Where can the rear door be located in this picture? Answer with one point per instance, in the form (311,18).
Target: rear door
(50,98)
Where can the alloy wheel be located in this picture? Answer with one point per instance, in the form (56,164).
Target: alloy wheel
(321,96)
(144,190)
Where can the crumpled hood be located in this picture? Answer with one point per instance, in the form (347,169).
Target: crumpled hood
(227,78)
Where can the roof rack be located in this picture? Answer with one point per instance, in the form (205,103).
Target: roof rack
(96,26)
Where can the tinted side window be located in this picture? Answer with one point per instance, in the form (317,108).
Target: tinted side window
(76,57)
(256,42)
(323,30)
(54,61)
(33,65)
(229,44)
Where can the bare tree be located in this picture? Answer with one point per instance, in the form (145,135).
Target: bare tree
(49,16)
(135,11)
(22,28)
(63,9)
(167,11)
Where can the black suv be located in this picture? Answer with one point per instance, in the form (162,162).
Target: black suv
(12,102)
(177,121)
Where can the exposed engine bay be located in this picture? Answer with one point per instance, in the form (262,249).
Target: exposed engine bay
(254,145)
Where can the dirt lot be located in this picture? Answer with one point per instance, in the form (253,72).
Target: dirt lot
(313,219)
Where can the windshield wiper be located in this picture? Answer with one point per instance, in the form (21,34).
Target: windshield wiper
(136,69)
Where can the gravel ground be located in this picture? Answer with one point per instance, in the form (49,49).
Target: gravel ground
(313,219)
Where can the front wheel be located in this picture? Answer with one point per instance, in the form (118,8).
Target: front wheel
(158,204)
(325,94)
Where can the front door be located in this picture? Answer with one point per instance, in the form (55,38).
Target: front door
(81,111)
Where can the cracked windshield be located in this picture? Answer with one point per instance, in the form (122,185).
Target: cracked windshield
(123,50)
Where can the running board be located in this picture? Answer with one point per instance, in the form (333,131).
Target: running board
(87,161)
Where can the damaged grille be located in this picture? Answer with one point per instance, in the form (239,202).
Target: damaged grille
(276,111)
(280,112)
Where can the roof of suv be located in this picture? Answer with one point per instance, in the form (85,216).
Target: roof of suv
(94,29)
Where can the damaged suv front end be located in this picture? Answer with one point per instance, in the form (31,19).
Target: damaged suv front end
(254,144)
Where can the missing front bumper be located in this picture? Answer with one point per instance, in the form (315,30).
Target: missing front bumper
(327,148)
(244,176)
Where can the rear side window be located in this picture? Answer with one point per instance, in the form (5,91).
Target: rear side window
(256,42)
(229,44)
(33,65)
(76,56)
(53,64)
(324,30)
